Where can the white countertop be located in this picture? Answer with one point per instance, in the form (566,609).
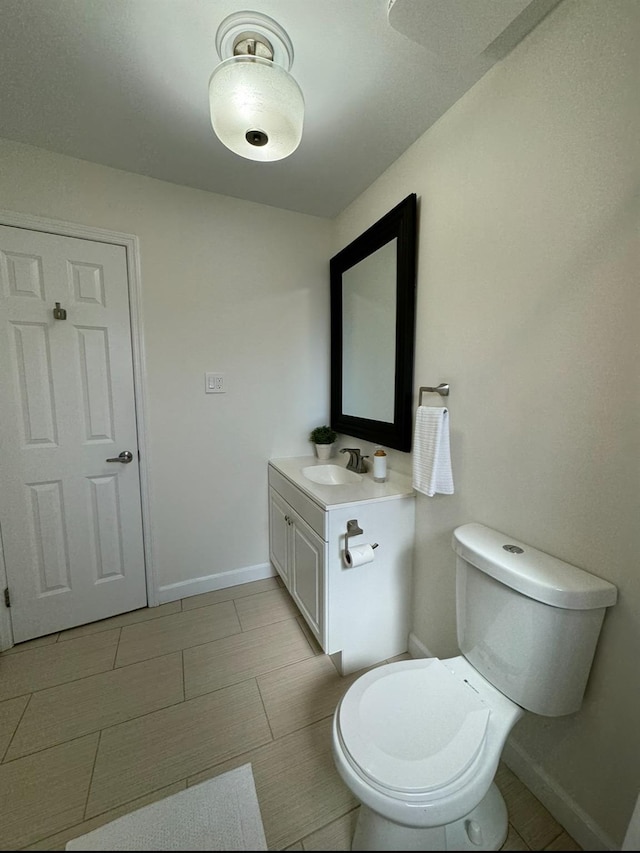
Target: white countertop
(397,485)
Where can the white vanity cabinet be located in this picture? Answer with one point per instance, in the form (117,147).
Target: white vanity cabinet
(298,554)
(360,614)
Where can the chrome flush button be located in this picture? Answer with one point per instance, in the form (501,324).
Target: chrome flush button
(513,549)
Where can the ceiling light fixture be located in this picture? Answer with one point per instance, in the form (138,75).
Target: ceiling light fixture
(257,108)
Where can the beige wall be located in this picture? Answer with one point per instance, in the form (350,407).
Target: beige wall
(528,304)
(227,286)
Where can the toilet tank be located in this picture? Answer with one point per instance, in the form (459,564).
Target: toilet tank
(528,622)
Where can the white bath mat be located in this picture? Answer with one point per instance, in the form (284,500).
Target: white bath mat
(219,814)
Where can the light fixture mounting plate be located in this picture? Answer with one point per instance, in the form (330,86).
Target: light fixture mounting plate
(252,25)
(252,44)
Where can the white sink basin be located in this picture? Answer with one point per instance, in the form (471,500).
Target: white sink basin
(330,475)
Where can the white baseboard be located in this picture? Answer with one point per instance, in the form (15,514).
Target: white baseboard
(568,814)
(209,583)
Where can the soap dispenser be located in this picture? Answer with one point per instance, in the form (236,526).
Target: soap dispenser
(379,466)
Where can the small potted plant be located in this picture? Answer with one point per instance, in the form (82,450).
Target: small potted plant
(323,437)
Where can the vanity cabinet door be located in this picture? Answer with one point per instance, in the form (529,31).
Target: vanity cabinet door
(307,576)
(298,555)
(279,535)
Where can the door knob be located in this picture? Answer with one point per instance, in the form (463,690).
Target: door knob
(125,456)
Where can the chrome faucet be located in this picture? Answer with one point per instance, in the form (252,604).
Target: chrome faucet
(356,462)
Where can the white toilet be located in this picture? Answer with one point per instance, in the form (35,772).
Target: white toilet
(418,742)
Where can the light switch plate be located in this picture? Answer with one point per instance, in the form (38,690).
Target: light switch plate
(214,383)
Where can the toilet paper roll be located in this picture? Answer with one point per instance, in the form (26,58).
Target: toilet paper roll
(358,555)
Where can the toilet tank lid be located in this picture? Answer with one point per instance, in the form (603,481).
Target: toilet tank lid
(533,573)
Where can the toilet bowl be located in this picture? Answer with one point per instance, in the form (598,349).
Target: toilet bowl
(418,743)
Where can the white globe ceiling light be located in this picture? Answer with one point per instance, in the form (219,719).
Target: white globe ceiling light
(257,108)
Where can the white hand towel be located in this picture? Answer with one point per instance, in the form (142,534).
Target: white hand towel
(431,455)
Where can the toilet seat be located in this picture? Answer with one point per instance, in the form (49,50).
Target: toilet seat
(413,727)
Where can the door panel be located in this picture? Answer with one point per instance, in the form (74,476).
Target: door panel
(71,522)
(307,570)
(279,534)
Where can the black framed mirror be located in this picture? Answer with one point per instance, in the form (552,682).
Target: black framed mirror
(373,286)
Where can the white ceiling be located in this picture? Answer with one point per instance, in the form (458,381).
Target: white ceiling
(125,83)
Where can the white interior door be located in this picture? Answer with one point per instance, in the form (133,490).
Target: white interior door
(70,520)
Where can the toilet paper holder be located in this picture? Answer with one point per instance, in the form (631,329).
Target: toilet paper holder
(354,529)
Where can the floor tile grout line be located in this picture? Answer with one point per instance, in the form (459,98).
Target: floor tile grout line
(181,649)
(555,837)
(151,622)
(264,707)
(301,840)
(297,620)
(226,637)
(93,770)
(38,650)
(100,730)
(114,627)
(62,683)
(275,668)
(184,682)
(15,731)
(115,656)
(126,803)
(46,748)
(235,610)
(92,731)
(16,650)
(241,758)
(290,617)
(257,675)
(231,598)
(62,639)
(186,778)
(89,675)
(328,716)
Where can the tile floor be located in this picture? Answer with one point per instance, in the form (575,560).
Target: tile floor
(102,719)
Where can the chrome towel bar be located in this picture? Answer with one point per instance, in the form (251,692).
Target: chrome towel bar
(442,389)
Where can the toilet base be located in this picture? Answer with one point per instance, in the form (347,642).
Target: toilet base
(484,828)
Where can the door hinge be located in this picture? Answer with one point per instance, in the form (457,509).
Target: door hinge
(7,597)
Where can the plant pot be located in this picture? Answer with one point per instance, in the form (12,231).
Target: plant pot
(324,451)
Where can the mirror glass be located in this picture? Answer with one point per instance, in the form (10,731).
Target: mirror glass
(368,351)
(372,330)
